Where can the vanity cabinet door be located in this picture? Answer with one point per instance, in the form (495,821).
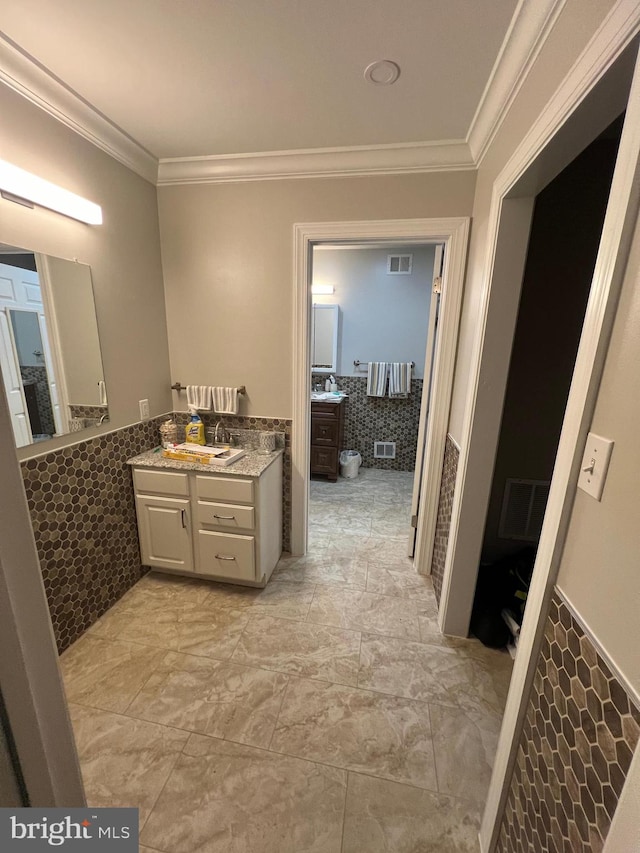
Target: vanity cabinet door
(165,534)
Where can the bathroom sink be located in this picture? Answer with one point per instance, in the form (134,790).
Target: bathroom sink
(328,396)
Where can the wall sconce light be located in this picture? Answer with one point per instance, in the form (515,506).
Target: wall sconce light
(322,289)
(24,188)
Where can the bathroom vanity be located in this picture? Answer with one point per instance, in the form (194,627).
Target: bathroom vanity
(327,430)
(224,525)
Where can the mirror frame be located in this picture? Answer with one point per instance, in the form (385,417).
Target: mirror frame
(92,415)
(335,309)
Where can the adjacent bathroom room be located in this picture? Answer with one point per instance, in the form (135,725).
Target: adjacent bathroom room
(372,306)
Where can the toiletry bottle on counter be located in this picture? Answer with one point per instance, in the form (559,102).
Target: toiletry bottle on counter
(194,432)
(327,385)
(333,384)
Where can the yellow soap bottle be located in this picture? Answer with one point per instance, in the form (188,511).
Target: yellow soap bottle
(194,432)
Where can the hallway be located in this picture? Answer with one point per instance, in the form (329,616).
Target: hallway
(324,713)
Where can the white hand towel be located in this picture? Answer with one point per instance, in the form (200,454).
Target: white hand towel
(400,379)
(376,378)
(199,397)
(225,400)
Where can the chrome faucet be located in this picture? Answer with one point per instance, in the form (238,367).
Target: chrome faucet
(223,438)
(103,418)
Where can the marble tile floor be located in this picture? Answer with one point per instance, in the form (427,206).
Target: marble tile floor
(323,714)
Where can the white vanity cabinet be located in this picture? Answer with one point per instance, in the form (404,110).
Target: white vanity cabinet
(226,527)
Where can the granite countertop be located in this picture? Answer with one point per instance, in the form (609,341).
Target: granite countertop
(251,465)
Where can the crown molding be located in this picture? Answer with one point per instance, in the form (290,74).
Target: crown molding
(405,158)
(527,33)
(28,78)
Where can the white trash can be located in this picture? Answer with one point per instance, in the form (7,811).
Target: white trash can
(350,461)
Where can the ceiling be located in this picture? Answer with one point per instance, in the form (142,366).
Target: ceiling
(187,78)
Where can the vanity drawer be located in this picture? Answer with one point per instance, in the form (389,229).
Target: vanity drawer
(226,515)
(324,431)
(224,489)
(161,482)
(326,410)
(227,555)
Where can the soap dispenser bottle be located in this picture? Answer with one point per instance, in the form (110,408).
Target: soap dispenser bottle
(194,433)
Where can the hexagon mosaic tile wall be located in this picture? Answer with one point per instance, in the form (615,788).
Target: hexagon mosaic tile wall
(84,521)
(443,521)
(577,743)
(370,419)
(83,515)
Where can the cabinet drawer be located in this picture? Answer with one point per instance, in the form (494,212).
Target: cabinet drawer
(161,482)
(225,489)
(324,460)
(226,515)
(324,432)
(325,410)
(226,555)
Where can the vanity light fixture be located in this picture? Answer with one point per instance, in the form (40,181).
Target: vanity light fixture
(322,289)
(21,186)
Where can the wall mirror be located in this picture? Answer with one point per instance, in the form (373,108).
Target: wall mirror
(324,338)
(49,346)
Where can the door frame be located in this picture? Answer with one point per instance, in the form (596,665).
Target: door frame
(510,189)
(454,233)
(30,679)
(432,330)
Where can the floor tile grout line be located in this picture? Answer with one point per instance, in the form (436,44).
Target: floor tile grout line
(344,812)
(282,753)
(275,725)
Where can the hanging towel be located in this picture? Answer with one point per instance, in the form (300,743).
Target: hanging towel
(199,397)
(376,378)
(225,400)
(400,379)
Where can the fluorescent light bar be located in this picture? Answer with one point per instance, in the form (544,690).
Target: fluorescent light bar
(322,289)
(23,184)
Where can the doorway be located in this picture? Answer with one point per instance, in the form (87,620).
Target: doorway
(453,234)
(565,234)
(373,323)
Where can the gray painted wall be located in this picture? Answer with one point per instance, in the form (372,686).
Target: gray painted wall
(382,317)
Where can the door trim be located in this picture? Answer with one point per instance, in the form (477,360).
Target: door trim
(454,233)
(30,678)
(606,46)
(432,328)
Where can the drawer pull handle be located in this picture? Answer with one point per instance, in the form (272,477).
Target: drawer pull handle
(225,517)
(222,557)
(184,518)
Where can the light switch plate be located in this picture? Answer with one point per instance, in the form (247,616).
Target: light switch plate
(144,409)
(595,464)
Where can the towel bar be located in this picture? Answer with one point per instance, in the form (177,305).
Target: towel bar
(357,363)
(178,386)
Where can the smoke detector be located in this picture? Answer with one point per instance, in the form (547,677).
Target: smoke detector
(383,72)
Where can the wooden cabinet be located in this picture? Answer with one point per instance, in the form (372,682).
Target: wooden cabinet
(327,431)
(228,528)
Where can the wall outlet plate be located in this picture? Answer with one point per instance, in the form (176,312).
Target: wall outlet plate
(594,465)
(144,409)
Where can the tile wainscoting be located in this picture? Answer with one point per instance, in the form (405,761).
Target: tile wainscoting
(576,745)
(84,521)
(369,419)
(443,522)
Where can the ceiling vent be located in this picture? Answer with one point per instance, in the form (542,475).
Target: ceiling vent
(399,264)
(523,509)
